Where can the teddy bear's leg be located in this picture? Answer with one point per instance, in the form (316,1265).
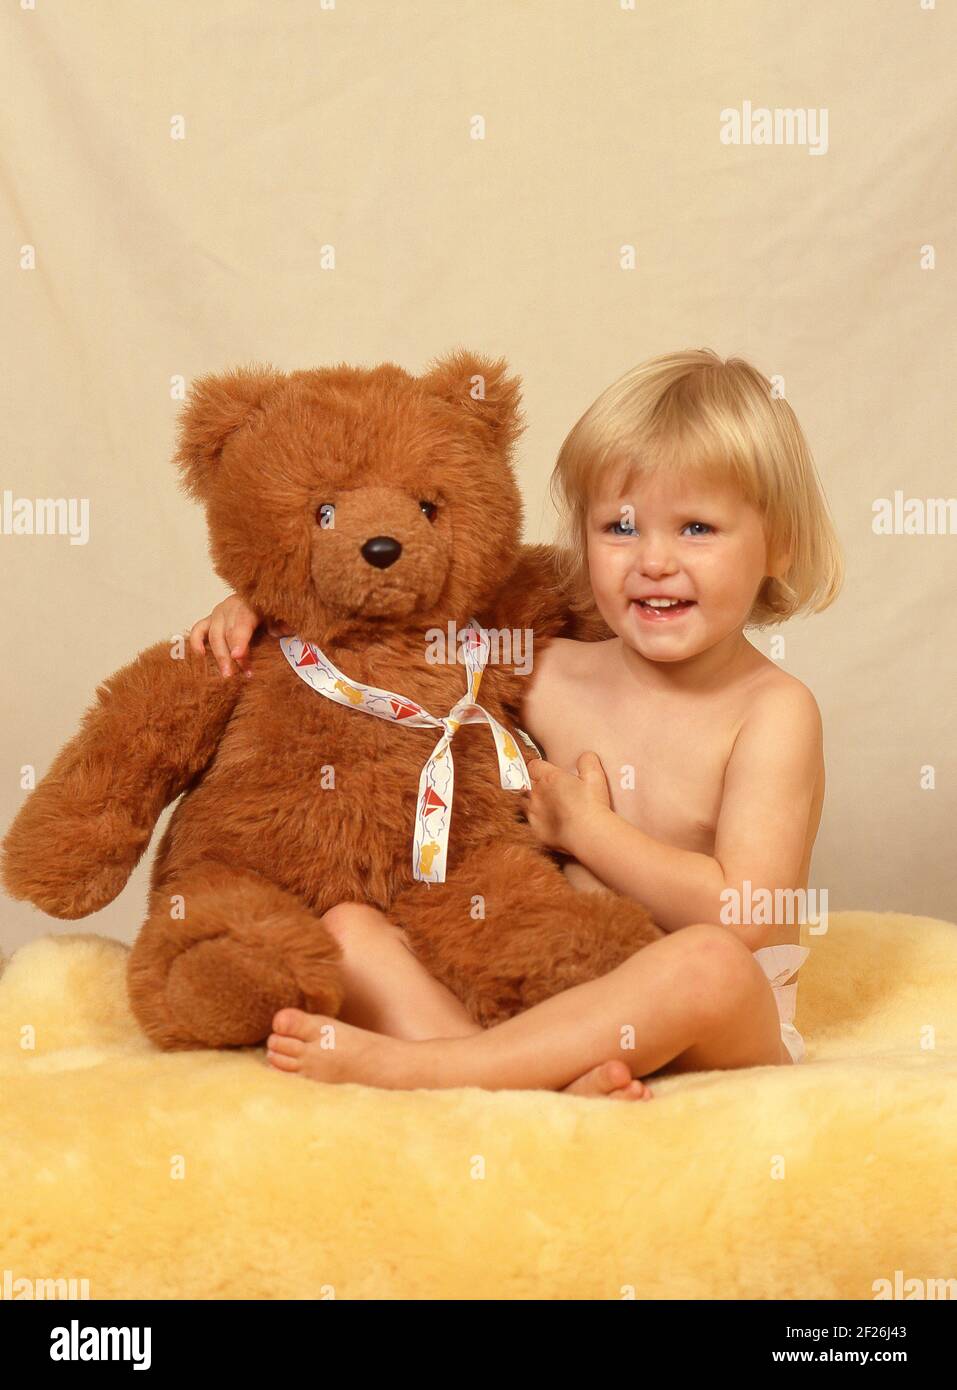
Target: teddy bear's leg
(506,930)
(221,950)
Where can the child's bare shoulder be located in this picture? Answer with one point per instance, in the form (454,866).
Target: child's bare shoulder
(566,657)
(558,666)
(781,704)
(548,665)
(781,687)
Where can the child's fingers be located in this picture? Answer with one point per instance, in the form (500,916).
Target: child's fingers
(239,630)
(228,630)
(238,633)
(197,636)
(539,769)
(218,644)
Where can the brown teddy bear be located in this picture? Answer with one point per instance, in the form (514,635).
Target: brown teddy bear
(367,510)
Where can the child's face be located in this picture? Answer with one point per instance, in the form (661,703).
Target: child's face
(697,541)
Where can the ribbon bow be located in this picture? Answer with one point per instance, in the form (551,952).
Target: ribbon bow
(433,814)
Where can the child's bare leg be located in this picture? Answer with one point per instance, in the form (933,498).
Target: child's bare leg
(389,991)
(693,1001)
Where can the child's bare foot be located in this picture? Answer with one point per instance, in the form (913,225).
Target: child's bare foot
(326,1049)
(612,1079)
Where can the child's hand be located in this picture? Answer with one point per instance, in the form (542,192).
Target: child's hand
(559,801)
(229,627)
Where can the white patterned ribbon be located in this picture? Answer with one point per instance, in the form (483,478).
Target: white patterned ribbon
(433,815)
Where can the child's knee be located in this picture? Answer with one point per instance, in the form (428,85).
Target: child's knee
(724,968)
(348,921)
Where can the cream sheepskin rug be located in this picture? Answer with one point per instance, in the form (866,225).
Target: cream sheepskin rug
(211,1175)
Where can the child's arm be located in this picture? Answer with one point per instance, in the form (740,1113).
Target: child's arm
(760,837)
(230,627)
(536,597)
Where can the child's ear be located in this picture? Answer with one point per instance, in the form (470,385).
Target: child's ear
(483,389)
(779,564)
(217,406)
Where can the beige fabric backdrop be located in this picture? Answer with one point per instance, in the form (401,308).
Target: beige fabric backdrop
(307,125)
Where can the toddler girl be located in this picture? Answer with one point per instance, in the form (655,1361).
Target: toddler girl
(691,508)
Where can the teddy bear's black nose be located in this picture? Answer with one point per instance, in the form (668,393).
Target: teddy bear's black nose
(382,551)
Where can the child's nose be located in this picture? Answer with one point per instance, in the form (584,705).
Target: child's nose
(656,559)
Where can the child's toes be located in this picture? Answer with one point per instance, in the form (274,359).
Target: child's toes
(615,1077)
(289,1047)
(285,1020)
(633,1091)
(296,1024)
(281,1062)
(609,1078)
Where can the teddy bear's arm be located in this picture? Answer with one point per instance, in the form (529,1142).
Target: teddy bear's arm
(154,726)
(538,596)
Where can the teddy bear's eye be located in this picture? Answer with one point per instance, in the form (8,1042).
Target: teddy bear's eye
(430,509)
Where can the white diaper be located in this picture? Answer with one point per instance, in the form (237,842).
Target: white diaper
(779,964)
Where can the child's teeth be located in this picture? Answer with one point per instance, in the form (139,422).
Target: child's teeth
(661,602)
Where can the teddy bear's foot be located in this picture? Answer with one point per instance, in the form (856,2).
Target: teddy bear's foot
(242,949)
(227,993)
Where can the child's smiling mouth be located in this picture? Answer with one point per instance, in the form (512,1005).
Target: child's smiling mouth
(661,610)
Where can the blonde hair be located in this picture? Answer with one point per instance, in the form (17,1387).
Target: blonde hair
(694,415)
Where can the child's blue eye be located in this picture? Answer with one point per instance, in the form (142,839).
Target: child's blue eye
(631,532)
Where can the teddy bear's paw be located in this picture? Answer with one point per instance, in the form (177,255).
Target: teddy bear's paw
(312,960)
(225,993)
(68,858)
(60,885)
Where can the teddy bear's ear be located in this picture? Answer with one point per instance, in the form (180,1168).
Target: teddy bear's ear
(215,407)
(483,389)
